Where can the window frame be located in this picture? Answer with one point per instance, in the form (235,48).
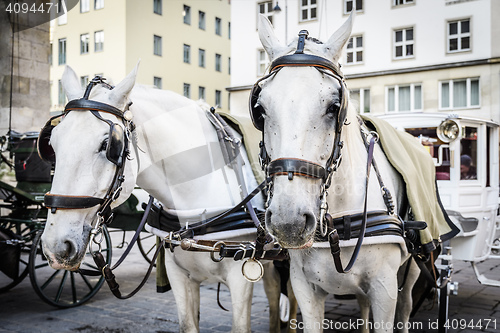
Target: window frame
(84,6)
(202,58)
(186,53)
(218,26)
(186,90)
(352,2)
(186,14)
(99,41)
(61,50)
(459,35)
(98,4)
(268,10)
(354,50)
(85,44)
(218,98)
(468,84)
(262,63)
(363,92)
(156,80)
(396,88)
(309,7)
(404,43)
(218,62)
(158,7)
(157,45)
(202,20)
(201,93)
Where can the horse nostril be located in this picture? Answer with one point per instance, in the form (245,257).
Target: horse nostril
(69,250)
(310,222)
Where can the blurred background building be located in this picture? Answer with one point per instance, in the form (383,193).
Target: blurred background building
(182,45)
(403,55)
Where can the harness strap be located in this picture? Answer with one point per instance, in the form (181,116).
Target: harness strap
(295,166)
(55,201)
(333,236)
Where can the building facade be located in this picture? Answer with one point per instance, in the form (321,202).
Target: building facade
(403,55)
(182,45)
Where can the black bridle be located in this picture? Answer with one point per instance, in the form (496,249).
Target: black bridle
(293,166)
(117,152)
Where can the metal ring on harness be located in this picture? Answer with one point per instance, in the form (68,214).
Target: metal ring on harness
(212,254)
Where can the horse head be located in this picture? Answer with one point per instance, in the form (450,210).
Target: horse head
(301,107)
(92,173)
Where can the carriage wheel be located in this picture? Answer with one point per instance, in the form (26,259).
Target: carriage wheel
(147,245)
(62,288)
(17,248)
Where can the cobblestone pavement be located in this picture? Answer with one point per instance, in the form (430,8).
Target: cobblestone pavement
(21,310)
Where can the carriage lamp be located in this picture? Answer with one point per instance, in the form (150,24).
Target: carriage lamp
(448,130)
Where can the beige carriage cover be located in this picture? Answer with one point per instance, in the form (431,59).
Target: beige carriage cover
(415,165)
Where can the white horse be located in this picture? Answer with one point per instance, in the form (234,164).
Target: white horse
(298,108)
(177,161)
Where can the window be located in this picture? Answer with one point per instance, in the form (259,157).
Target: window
(187,14)
(308,10)
(84,6)
(348,5)
(402,2)
(201,93)
(229,30)
(157,82)
(50,54)
(459,94)
(403,43)
(404,98)
(218,99)
(266,9)
(261,62)
(84,81)
(84,43)
(99,41)
(157,45)
(218,27)
(98,4)
(187,54)
(157,7)
(63,19)
(187,90)
(355,50)
(459,36)
(362,96)
(229,65)
(201,20)
(218,62)
(468,154)
(62,51)
(201,57)
(61,96)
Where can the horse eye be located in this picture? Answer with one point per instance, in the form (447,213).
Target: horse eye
(104,145)
(333,108)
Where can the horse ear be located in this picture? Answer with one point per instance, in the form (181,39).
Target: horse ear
(71,84)
(271,43)
(339,38)
(120,93)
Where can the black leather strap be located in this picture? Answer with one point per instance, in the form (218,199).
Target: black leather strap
(296,166)
(86,105)
(303,59)
(70,201)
